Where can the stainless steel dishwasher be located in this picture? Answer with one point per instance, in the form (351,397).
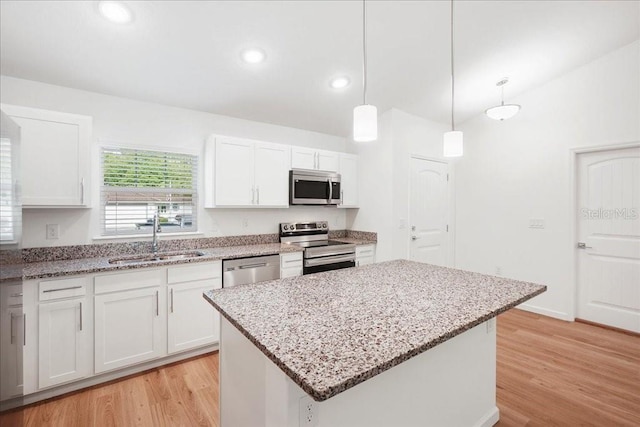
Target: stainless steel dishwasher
(250,270)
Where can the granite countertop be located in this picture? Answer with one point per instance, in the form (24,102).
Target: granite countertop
(39,270)
(331,331)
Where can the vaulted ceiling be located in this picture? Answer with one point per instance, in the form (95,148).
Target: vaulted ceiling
(187,53)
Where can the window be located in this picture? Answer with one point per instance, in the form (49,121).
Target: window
(9,219)
(138,184)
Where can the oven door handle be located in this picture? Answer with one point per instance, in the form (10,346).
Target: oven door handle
(312,262)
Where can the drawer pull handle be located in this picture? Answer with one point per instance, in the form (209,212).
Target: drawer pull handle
(16,295)
(292,260)
(157,303)
(61,289)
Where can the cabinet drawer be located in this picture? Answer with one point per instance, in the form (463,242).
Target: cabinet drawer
(365,251)
(291,260)
(127,281)
(192,272)
(65,288)
(12,295)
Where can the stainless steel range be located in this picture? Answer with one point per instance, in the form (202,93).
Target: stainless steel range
(320,253)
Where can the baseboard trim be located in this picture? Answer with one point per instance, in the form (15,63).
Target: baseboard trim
(489,419)
(546,312)
(611,328)
(105,377)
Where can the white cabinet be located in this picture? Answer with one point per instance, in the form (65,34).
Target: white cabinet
(55,157)
(290,264)
(246,173)
(310,158)
(12,341)
(130,319)
(349,180)
(192,321)
(365,254)
(63,341)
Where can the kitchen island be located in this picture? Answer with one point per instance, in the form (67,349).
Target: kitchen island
(396,343)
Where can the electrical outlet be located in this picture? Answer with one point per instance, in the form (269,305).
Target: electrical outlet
(245,223)
(308,412)
(53,231)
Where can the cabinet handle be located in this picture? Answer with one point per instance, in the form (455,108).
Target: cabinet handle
(287,261)
(13,335)
(24,329)
(81,315)
(157,303)
(16,295)
(257,195)
(82,191)
(341,196)
(317,162)
(172,300)
(61,289)
(253,195)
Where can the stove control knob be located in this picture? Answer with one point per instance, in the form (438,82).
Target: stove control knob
(293,227)
(286,227)
(324,225)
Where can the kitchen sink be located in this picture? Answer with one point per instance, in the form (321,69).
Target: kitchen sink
(174,256)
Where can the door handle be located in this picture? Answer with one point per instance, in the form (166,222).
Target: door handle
(258,195)
(24,329)
(157,303)
(253,195)
(414,237)
(82,191)
(582,245)
(13,336)
(172,300)
(80,315)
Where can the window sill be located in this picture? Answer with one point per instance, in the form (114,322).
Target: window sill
(161,235)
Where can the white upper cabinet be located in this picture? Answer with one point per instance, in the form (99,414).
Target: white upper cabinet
(349,180)
(246,173)
(55,157)
(310,158)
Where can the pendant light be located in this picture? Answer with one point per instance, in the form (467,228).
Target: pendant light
(365,116)
(452,142)
(502,111)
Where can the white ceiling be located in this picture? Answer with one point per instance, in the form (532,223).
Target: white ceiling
(186,53)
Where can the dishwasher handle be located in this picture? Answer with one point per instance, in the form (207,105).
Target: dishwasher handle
(262,264)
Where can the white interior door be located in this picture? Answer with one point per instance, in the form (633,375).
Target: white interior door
(428,211)
(609,228)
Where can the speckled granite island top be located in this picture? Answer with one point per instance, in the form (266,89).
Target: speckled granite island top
(331,331)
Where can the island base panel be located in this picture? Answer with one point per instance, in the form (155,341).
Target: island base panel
(452,384)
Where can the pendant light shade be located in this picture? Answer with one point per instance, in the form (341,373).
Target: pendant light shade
(365,116)
(453,144)
(502,111)
(365,123)
(452,141)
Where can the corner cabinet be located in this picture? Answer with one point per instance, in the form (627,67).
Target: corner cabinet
(246,173)
(55,157)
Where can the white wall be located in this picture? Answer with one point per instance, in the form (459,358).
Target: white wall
(384,178)
(152,125)
(520,169)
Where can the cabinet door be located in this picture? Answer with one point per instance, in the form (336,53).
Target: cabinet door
(303,158)
(328,161)
(12,340)
(365,255)
(130,327)
(193,322)
(349,182)
(63,342)
(272,174)
(55,157)
(234,172)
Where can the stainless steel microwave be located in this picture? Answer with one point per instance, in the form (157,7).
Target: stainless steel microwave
(311,187)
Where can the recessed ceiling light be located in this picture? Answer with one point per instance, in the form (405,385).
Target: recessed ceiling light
(253,56)
(115,11)
(340,82)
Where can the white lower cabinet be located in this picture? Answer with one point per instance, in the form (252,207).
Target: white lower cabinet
(12,341)
(63,341)
(192,321)
(290,265)
(365,254)
(130,327)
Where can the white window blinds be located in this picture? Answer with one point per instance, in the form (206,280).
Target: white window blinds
(8,205)
(137,184)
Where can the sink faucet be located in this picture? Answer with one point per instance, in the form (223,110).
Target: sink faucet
(156,229)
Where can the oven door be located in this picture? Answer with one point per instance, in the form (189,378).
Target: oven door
(328,263)
(309,189)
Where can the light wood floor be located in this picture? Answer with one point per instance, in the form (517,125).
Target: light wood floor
(550,373)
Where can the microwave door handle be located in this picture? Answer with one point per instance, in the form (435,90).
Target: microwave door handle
(330,190)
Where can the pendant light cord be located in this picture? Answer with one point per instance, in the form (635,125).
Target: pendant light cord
(453,102)
(364,52)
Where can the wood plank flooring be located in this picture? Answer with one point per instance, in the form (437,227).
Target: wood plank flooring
(549,373)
